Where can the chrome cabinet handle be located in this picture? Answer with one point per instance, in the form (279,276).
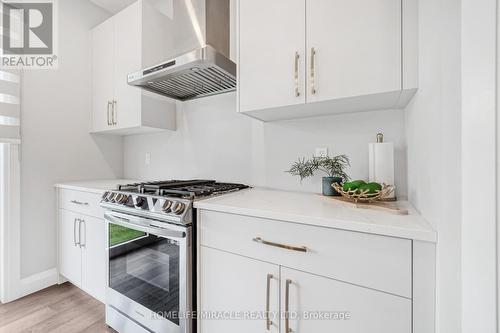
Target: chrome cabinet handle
(74,232)
(79,242)
(313,71)
(115,112)
(268,295)
(82,222)
(80,203)
(109,117)
(287,306)
(281,246)
(297,91)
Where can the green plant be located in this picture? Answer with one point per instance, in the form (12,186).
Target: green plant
(331,166)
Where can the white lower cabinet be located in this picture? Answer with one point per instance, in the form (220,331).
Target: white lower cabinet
(70,259)
(94,258)
(82,242)
(236,297)
(235,291)
(312,287)
(318,304)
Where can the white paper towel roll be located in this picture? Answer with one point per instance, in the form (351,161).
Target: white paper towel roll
(381,160)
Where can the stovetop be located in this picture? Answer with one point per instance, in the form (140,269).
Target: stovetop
(188,189)
(169,201)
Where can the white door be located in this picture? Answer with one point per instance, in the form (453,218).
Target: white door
(102,75)
(271,54)
(357,46)
(94,257)
(127,56)
(318,304)
(70,255)
(236,288)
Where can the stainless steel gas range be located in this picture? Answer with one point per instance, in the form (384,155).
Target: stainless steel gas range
(152,253)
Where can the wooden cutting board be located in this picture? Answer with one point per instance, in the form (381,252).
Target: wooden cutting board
(388,206)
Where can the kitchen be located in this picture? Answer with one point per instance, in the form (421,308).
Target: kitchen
(214,138)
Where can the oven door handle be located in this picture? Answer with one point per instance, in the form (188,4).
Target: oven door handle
(144,225)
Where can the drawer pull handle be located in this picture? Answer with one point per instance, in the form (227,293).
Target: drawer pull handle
(80,203)
(281,246)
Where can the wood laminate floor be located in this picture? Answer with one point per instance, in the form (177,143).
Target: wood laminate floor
(63,308)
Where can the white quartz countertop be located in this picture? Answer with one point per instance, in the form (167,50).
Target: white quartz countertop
(94,186)
(317,210)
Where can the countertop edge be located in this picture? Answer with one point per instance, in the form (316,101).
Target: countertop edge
(79,188)
(89,187)
(356,226)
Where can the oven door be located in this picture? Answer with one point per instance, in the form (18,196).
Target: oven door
(149,273)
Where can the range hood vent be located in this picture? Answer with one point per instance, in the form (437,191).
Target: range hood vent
(199,73)
(198,30)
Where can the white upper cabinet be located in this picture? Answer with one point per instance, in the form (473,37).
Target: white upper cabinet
(121,45)
(272,53)
(127,56)
(354,48)
(102,75)
(354,55)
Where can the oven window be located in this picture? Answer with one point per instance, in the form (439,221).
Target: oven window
(145,268)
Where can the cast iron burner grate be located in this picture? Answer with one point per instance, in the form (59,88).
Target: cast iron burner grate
(182,188)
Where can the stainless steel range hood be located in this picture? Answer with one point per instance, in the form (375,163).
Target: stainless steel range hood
(200,30)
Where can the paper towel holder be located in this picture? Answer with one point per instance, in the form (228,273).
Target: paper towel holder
(380,138)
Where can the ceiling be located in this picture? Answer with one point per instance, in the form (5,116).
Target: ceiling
(112,6)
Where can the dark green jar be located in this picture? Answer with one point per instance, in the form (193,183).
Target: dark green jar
(328,188)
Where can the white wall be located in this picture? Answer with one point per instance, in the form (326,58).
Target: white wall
(434,143)
(214,141)
(479,140)
(56,144)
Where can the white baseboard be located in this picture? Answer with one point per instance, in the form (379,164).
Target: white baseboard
(33,284)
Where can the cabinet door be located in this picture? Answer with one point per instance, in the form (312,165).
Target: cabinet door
(102,75)
(127,56)
(318,304)
(240,287)
(271,37)
(94,257)
(70,259)
(357,46)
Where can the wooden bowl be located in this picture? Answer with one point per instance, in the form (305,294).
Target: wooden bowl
(364,196)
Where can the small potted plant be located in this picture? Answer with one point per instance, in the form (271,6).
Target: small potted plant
(333,167)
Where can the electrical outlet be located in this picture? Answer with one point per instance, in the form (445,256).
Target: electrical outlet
(321,152)
(147,159)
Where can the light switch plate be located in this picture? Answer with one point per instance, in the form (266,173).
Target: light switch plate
(147,159)
(321,152)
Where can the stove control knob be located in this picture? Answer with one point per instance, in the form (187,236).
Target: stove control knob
(111,197)
(105,196)
(178,208)
(121,198)
(118,198)
(125,199)
(167,206)
(141,202)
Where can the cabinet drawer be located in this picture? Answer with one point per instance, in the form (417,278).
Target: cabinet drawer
(377,262)
(81,202)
